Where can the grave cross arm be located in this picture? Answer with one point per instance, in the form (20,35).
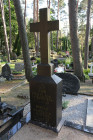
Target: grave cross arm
(35,27)
(53,25)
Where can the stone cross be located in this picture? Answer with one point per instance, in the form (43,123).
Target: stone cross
(44,27)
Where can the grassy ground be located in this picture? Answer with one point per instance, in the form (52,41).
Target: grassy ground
(18,96)
(86,87)
(21,96)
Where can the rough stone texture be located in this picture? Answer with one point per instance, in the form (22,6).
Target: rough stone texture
(71,83)
(6,72)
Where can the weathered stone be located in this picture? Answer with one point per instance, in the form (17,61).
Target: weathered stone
(6,72)
(19,66)
(71,83)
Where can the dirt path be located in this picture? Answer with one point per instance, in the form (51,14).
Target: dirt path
(86,87)
(20,96)
(16,96)
(32,132)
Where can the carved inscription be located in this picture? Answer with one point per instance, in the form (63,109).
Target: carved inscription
(42,95)
(42,104)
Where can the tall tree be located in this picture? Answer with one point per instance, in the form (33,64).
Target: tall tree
(36,19)
(24,40)
(78,71)
(87,35)
(4,27)
(92,46)
(25,14)
(10,40)
(57,31)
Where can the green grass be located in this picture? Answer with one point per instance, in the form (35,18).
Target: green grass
(65,104)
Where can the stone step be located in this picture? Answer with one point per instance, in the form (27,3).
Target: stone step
(89,117)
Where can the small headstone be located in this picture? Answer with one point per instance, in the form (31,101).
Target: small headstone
(71,83)
(6,72)
(19,66)
(33,59)
(55,62)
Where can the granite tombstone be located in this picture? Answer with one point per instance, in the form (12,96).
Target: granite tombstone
(6,72)
(45,88)
(71,83)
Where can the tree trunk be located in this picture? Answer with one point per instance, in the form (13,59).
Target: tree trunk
(87,35)
(37,50)
(24,40)
(10,40)
(92,47)
(4,27)
(78,71)
(25,14)
(57,31)
(51,41)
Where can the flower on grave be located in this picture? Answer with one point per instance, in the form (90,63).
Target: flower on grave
(55,71)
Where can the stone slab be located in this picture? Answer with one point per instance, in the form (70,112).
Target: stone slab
(86,129)
(89,117)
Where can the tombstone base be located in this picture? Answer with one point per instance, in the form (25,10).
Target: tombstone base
(46,101)
(57,130)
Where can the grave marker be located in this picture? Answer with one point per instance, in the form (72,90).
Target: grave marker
(19,66)
(46,88)
(6,72)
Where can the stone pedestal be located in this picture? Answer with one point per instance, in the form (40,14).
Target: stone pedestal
(46,101)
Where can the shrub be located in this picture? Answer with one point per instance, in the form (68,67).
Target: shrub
(34,70)
(65,104)
(68,60)
(86,71)
(37,60)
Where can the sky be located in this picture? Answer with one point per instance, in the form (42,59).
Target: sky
(29,11)
(65,20)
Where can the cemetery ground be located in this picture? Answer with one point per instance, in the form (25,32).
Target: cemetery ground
(16,92)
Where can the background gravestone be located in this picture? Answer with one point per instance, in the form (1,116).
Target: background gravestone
(55,62)
(19,66)
(6,72)
(71,83)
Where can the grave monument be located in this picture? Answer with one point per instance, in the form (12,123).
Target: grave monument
(46,87)
(6,72)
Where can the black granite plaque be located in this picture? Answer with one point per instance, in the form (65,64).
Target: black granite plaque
(71,83)
(46,100)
